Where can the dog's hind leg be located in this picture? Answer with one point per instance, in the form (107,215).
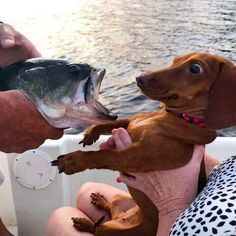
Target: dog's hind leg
(101,202)
(85,225)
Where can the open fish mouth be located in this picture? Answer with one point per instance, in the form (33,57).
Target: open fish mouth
(91,94)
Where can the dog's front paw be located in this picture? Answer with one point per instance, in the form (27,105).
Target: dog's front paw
(91,136)
(69,164)
(83,224)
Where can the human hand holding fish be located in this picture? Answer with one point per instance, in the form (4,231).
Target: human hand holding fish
(22,126)
(14,46)
(66,94)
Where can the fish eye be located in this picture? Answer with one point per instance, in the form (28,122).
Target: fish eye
(196,69)
(74,69)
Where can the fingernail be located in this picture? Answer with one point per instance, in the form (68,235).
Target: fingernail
(114,131)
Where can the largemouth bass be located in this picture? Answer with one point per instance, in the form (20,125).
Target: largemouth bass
(66,94)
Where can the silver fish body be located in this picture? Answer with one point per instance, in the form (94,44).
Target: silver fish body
(66,94)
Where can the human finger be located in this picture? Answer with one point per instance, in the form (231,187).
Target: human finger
(109,144)
(7,36)
(119,144)
(124,137)
(121,138)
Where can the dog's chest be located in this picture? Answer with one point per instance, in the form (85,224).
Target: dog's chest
(140,123)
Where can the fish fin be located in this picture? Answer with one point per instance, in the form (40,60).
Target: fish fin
(50,112)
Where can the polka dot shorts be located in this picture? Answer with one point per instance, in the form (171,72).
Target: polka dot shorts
(214,210)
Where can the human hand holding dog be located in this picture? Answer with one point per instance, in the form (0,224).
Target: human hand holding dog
(166,188)
(120,139)
(171,191)
(22,126)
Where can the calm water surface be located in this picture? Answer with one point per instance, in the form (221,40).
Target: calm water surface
(126,37)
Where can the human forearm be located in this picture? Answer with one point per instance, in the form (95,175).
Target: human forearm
(169,211)
(166,221)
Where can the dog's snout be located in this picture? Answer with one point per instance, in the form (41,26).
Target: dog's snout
(141,80)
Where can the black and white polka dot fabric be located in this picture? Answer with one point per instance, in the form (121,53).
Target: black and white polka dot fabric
(214,210)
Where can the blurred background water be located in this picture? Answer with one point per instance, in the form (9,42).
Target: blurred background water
(126,37)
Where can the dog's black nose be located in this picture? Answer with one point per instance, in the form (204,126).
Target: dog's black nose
(141,80)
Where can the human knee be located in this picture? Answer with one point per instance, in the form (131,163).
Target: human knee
(84,193)
(60,223)
(56,221)
(60,213)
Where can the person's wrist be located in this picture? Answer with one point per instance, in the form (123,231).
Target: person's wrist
(166,219)
(170,207)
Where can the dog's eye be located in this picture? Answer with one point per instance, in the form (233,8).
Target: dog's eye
(196,69)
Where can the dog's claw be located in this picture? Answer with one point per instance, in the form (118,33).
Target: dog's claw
(55,163)
(82,142)
(69,163)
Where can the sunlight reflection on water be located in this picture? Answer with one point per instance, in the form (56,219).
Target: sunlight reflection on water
(126,37)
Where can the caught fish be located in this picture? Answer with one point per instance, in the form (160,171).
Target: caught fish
(66,94)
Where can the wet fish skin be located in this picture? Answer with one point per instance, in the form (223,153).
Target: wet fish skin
(65,93)
(36,77)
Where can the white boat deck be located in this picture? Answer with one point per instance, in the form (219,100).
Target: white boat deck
(33,190)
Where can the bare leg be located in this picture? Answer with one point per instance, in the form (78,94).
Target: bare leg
(60,223)
(83,200)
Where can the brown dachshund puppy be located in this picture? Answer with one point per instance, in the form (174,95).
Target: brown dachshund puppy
(198,92)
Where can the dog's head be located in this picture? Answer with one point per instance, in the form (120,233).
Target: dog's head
(196,83)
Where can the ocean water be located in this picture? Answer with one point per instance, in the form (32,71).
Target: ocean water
(126,37)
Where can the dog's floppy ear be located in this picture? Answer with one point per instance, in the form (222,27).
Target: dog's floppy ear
(221,108)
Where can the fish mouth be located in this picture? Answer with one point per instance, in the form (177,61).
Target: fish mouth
(91,95)
(103,112)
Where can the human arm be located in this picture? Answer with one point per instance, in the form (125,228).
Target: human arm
(22,126)
(171,191)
